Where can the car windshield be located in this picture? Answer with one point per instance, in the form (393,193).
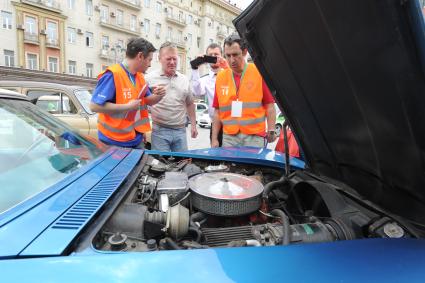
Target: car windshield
(36,151)
(53,104)
(84,96)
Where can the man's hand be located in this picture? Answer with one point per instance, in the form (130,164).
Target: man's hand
(214,143)
(158,93)
(271,136)
(132,105)
(222,63)
(159,90)
(194,131)
(195,63)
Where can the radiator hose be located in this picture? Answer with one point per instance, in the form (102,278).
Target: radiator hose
(273,185)
(196,217)
(285,222)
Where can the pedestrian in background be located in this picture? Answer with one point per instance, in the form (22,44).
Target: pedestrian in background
(205,86)
(243,102)
(121,97)
(169,115)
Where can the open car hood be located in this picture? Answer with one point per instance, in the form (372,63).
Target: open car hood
(349,76)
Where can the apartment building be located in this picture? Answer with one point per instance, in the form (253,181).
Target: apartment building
(83,37)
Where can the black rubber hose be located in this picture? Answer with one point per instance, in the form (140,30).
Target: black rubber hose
(273,185)
(285,141)
(285,223)
(172,244)
(196,217)
(198,233)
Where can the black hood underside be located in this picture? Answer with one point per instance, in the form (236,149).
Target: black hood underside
(349,76)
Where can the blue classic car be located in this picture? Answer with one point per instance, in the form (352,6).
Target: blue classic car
(349,76)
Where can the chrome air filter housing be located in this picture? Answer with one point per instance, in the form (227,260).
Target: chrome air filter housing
(225,194)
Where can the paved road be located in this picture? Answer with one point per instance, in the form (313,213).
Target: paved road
(203,139)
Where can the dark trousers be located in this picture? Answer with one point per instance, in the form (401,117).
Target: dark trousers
(220,136)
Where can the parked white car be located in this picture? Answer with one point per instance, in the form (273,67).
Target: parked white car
(204,119)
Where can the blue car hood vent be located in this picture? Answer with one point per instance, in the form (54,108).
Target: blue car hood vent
(58,236)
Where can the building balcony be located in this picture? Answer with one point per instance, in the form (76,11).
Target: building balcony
(112,54)
(178,42)
(221,34)
(174,20)
(31,38)
(104,54)
(121,28)
(52,43)
(132,4)
(51,5)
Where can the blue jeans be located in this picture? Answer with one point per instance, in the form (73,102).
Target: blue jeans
(168,139)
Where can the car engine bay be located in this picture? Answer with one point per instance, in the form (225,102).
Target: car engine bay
(182,203)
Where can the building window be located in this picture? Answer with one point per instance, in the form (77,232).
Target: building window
(158,7)
(71,4)
(147,3)
(32,61)
(9,58)
(72,35)
(104,14)
(89,70)
(180,36)
(181,16)
(105,42)
(211,40)
(89,39)
(53,64)
(169,33)
(170,11)
(133,22)
(72,67)
(48,3)
(189,39)
(89,7)
(52,32)
(147,25)
(31,25)
(120,16)
(190,19)
(158,30)
(6,19)
(120,43)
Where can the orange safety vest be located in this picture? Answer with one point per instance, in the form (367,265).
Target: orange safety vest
(123,126)
(250,94)
(294,149)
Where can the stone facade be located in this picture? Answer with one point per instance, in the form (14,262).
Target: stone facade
(82,37)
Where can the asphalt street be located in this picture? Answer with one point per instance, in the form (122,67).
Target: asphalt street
(203,139)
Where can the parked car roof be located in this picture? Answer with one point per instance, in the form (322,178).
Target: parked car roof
(11,94)
(23,83)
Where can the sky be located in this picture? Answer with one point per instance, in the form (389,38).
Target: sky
(242,3)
